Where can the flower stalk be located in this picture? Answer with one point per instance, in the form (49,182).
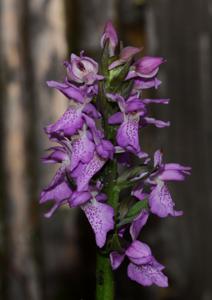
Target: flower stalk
(105,286)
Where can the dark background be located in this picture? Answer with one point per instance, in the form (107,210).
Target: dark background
(55,259)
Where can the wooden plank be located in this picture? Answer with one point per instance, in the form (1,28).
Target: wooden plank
(22,277)
(181,32)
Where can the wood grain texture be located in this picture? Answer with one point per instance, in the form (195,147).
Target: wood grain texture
(181,32)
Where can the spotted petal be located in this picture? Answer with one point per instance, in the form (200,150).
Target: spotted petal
(161,203)
(59,194)
(68,124)
(84,172)
(128,138)
(100,216)
(147,275)
(82,150)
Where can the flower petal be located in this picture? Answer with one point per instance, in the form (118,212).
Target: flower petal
(84,172)
(147,275)
(143,84)
(158,158)
(161,203)
(116,259)
(139,253)
(127,137)
(138,223)
(70,122)
(100,216)
(157,123)
(82,151)
(70,91)
(116,118)
(79,198)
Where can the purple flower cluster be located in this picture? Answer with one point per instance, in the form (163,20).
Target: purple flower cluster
(101,126)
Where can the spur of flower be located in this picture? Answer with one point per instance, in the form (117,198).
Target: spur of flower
(96,141)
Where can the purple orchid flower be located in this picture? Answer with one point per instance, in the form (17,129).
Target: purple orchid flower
(58,189)
(160,200)
(86,144)
(143,267)
(110,35)
(99,215)
(145,67)
(82,69)
(68,125)
(72,120)
(59,193)
(127,135)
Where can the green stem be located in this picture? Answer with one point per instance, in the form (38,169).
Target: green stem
(104,278)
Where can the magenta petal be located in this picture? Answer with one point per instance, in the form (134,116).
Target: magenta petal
(57,179)
(161,203)
(142,84)
(129,52)
(134,106)
(68,90)
(59,192)
(125,54)
(84,172)
(116,259)
(157,123)
(58,155)
(116,118)
(127,136)
(105,149)
(70,122)
(138,223)
(109,35)
(158,158)
(79,198)
(82,69)
(147,275)
(139,253)
(178,167)
(147,67)
(156,101)
(100,216)
(172,175)
(91,110)
(82,150)
(101,197)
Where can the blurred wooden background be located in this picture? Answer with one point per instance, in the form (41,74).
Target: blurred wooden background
(54,259)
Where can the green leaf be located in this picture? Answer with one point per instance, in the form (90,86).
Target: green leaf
(133,212)
(136,208)
(126,88)
(117,76)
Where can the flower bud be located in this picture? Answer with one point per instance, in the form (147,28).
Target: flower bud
(110,35)
(82,69)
